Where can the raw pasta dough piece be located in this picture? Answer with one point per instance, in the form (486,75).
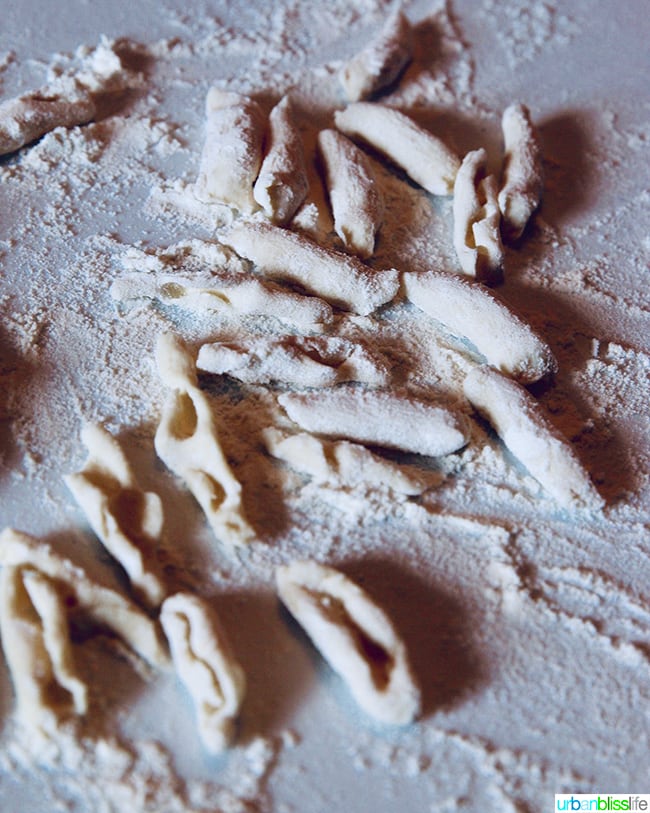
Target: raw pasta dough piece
(307,361)
(40,592)
(282,184)
(522,178)
(425,158)
(379,418)
(187,441)
(36,642)
(341,279)
(206,258)
(471,311)
(343,462)
(201,295)
(520,423)
(103,604)
(128,521)
(381,62)
(355,637)
(69,100)
(232,153)
(205,663)
(28,117)
(477,238)
(357,204)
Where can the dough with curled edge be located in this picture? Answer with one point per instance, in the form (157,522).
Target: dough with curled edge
(380,63)
(201,294)
(40,591)
(206,665)
(522,180)
(307,361)
(232,152)
(36,642)
(471,311)
(343,462)
(424,157)
(337,277)
(187,441)
(379,418)
(355,637)
(357,204)
(519,421)
(477,236)
(282,184)
(128,520)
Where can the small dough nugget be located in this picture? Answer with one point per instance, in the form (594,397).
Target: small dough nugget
(522,179)
(128,520)
(232,153)
(477,238)
(357,204)
(337,277)
(518,420)
(187,441)
(424,157)
(205,663)
(355,637)
(378,418)
(282,184)
(471,311)
(381,62)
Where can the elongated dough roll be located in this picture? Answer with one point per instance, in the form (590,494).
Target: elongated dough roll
(471,311)
(205,663)
(378,418)
(128,520)
(477,238)
(525,430)
(232,153)
(355,637)
(357,204)
(187,441)
(307,361)
(522,179)
(423,156)
(28,117)
(344,463)
(381,61)
(335,276)
(201,294)
(68,101)
(282,184)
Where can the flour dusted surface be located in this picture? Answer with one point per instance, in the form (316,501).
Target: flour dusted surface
(491,585)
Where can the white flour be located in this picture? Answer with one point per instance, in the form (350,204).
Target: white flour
(529,629)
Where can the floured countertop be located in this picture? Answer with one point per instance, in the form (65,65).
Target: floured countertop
(527,625)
